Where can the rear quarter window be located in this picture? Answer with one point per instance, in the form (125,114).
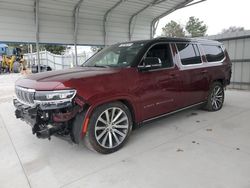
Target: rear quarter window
(189,53)
(213,53)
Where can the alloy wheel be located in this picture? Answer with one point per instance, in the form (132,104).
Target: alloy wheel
(111,127)
(217,97)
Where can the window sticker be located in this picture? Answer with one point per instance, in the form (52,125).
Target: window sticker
(126,45)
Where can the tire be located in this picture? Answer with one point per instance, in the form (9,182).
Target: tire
(215,98)
(109,128)
(76,130)
(16,67)
(34,69)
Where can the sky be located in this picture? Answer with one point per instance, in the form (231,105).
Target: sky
(216,14)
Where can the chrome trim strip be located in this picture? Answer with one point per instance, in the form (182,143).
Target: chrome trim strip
(29,91)
(169,113)
(56,101)
(57,91)
(26,89)
(28,104)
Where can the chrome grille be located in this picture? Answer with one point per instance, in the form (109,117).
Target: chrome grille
(25,95)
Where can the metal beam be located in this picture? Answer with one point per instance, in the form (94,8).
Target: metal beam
(37,33)
(154,2)
(76,16)
(106,17)
(155,21)
(194,3)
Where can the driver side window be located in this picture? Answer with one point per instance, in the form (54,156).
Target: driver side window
(163,53)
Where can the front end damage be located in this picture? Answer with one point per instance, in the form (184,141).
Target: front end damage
(48,118)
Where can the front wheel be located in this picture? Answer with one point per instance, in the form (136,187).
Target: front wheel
(216,97)
(109,127)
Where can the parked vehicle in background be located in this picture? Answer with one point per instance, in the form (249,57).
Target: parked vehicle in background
(122,87)
(43,68)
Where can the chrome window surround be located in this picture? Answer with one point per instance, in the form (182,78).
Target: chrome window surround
(178,54)
(162,68)
(223,50)
(203,64)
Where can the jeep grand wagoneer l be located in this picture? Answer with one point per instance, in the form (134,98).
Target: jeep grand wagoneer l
(123,86)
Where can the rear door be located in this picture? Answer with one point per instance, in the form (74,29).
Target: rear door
(159,87)
(193,74)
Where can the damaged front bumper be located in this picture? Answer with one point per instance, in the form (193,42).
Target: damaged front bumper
(46,123)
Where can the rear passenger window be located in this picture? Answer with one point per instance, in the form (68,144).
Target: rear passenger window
(213,53)
(189,54)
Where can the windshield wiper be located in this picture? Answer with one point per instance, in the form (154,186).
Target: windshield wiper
(101,66)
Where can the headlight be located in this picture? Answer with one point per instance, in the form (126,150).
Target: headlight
(58,95)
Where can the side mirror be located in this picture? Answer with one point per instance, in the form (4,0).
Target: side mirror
(150,63)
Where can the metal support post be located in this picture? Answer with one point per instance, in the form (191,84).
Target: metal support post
(37,33)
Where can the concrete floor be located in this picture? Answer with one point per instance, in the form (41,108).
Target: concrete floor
(191,149)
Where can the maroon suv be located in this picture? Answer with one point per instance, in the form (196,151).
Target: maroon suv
(123,86)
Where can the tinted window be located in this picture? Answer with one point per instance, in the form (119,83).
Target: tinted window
(213,53)
(189,54)
(162,52)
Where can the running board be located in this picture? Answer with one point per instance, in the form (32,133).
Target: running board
(173,112)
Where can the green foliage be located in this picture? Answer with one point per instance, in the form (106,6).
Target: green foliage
(55,49)
(232,29)
(173,29)
(195,27)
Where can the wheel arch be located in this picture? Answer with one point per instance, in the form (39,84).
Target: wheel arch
(131,109)
(221,80)
(125,100)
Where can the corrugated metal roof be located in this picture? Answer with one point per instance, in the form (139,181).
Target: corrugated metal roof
(56,20)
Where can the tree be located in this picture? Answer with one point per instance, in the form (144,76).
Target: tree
(232,29)
(55,49)
(195,27)
(173,29)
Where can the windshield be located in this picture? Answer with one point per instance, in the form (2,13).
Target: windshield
(119,55)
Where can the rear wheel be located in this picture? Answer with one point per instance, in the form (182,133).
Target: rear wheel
(216,97)
(109,128)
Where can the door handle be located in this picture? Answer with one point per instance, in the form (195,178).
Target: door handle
(204,71)
(173,75)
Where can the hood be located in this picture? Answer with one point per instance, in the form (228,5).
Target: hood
(53,79)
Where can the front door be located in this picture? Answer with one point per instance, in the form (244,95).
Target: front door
(160,85)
